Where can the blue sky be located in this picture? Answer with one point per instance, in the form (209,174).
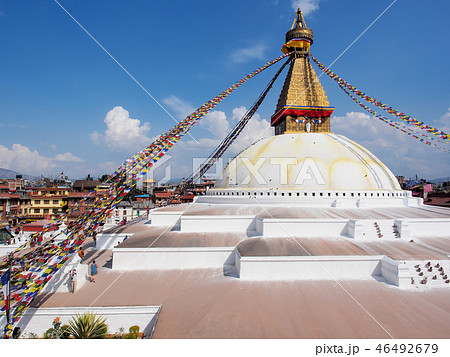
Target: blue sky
(66,106)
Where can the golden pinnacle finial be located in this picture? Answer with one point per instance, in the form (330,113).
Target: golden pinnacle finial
(300,20)
(299,38)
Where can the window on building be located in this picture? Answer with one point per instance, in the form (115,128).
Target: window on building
(37,210)
(37,202)
(46,210)
(55,202)
(46,202)
(55,210)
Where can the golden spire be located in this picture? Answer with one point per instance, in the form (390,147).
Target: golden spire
(303,105)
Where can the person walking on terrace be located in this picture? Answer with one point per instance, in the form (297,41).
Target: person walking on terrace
(73,280)
(81,254)
(94,271)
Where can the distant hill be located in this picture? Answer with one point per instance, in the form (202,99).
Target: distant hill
(9,174)
(442,179)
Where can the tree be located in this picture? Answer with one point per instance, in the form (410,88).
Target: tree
(88,325)
(104,177)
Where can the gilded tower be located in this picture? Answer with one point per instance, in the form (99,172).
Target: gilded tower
(303,105)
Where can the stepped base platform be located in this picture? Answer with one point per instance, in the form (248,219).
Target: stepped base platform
(215,302)
(293,242)
(248,256)
(235,282)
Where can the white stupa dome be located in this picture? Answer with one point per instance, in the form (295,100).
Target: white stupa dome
(307,161)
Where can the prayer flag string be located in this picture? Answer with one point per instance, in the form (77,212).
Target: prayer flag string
(402,116)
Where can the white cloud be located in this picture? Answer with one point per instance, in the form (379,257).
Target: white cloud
(182,108)
(219,126)
(248,53)
(402,153)
(444,122)
(369,131)
(20,158)
(68,156)
(353,122)
(106,167)
(122,132)
(307,6)
(200,144)
(96,138)
(216,123)
(255,129)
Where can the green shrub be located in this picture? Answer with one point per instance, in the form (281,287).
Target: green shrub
(58,331)
(134,329)
(88,325)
